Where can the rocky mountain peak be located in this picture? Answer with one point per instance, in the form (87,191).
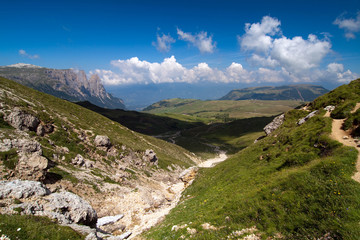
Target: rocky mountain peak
(23,65)
(69,84)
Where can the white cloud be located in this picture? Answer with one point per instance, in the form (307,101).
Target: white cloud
(262,61)
(23,53)
(351,26)
(200,40)
(163,43)
(136,71)
(298,54)
(257,36)
(270,49)
(336,70)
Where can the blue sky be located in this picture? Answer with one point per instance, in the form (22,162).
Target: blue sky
(155,42)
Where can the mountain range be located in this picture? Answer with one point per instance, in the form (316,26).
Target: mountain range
(69,84)
(301,92)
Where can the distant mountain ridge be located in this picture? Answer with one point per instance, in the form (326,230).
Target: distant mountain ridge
(70,84)
(302,92)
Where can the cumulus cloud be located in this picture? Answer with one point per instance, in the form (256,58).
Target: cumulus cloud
(163,43)
(257,36)
(200,40)
(136,71)
(23,53)
(269,48)
(351,25)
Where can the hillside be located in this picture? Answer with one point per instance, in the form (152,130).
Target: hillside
(145,123)
(296,183)
(69,148)
(301,92)
(223,110)
(197,135)
(72,85)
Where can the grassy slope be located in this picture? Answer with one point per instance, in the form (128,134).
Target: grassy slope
(221,110)
(195,134)
(297,184)
(88,120)
(232,136)
(35,228)
(145,123)
(292,92)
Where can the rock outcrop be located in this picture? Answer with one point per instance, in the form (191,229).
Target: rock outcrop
(150,156)
(275,124)
(70,208)
(32,167)
(36,199)
(22,120)
(82,162)
(102,141)
(22,189)
(329,108)
(69,84)
(310,115)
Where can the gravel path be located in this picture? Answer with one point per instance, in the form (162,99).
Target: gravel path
(345,138)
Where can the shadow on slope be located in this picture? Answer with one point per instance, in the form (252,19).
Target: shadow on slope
(142,122)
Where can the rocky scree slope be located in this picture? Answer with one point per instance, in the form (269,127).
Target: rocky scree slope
(296,183)
(69,148)
(70,84)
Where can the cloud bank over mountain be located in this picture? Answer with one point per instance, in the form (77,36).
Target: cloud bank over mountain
(275,57)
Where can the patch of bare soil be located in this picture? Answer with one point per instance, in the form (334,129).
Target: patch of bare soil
(345,138)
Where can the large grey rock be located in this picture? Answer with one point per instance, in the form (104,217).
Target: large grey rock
(150,156)
(310,115)
(22,189)
(22,121)
(70,208)
(275,124)
(120,237)
(82,162)
(22,145)
(108,220)
(102,141)
(329,108)
(43,129)
(32,167)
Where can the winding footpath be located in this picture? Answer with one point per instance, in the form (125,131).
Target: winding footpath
(345,138)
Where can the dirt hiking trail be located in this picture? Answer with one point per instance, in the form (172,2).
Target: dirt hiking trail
(345,138)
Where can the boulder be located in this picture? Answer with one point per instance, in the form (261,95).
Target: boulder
(275,124)
(22,120)
(22,146)
(329,108)
(78,160)
(32,167)
(108,220)
(22,189)
(67,207)
(150,156)
(82,162)
(44,129)
(102,141)
(310,115)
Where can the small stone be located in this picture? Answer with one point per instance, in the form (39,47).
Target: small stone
(191,231)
